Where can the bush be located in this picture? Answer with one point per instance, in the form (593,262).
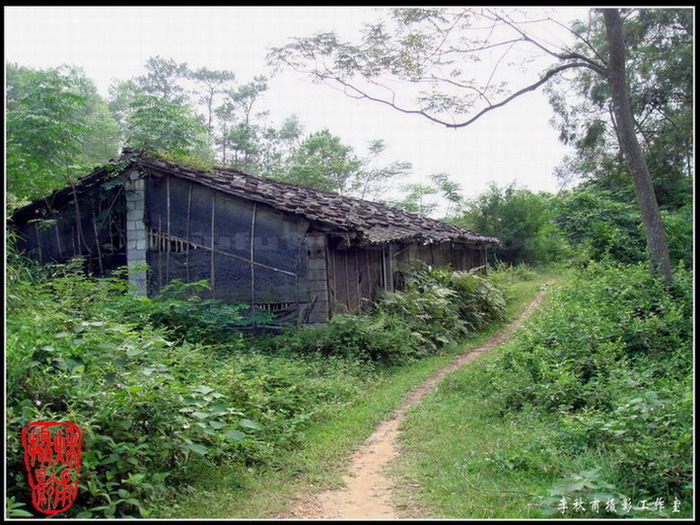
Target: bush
(444,305)
(381,339)
(179,309)
(151,404)
(611,359)
(436,309)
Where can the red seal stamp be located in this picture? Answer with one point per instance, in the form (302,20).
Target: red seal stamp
(52,459)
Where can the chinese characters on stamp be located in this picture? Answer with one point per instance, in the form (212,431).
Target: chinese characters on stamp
(52,456)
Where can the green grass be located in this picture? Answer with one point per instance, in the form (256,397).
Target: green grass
(457,455)
(462,460)
(328,442)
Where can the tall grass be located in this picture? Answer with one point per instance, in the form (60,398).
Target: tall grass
(591,402)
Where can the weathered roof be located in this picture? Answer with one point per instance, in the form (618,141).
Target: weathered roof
(372,222)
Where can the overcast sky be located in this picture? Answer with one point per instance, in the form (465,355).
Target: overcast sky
(516,142)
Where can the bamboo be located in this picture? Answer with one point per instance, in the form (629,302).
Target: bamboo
(357,280)
(187,235)
(38,243)
(330,257)
(167,250)
(78,224)
(160,251)
(212,271)
(237,257)
(347,284)
(296,281)
(72,240)
(252,258)
(97,240)
(369,275)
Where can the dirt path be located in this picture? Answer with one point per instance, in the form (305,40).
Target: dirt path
(367,491)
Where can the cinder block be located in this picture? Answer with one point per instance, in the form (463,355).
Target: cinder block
(316,275)
(136,255)
(137,234)
(316,264)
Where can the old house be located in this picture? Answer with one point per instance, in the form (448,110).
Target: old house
(300,253)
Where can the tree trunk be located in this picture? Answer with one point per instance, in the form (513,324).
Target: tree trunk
(648,206)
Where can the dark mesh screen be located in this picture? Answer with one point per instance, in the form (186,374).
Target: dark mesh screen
(184,251)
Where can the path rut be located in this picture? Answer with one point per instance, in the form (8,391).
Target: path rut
(367,491)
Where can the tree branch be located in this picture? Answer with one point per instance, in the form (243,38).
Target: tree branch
(359,94)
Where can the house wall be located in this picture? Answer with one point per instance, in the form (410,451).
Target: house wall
(248,252)
(355,273)
(95,229)
(316,246)
(458,256)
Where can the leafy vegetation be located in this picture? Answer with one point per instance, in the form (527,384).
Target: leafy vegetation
(57,127)
(161,386)
(592,401)
(521,219)
(438,308)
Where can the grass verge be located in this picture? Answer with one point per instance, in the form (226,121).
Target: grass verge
(328,441)
(464,457)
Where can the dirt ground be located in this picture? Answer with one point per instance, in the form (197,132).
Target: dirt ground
(367,491)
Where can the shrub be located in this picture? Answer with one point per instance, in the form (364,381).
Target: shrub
(443,305)
(610,358)
(436,309)
(380,338)
(179,309)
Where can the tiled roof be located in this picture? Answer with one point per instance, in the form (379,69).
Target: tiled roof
(374,223)
(371,222)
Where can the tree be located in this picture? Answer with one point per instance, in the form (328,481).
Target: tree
(158,125)
(520,218)
(449,190)
(323,162)
(625,126)
(278,146)
(416,199)
(598,226)
(660,82)
(440,48)
(212,83)
(57,129)
(239,134)
(374,180)
(163,79)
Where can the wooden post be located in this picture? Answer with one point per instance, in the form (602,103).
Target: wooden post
(212,271)
(357,280)
(160,251)
(97,240)
(252,259)
(345,274)
(38,243)
(167,248)
(189,210)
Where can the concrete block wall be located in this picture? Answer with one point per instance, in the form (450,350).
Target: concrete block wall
(136,234)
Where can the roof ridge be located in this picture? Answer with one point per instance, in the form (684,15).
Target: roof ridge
(376,222)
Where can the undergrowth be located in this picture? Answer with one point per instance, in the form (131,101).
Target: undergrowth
(591,407)
(160,386)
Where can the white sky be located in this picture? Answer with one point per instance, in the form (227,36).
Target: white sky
(516,142)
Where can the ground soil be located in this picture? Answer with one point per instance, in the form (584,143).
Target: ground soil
(368,490)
